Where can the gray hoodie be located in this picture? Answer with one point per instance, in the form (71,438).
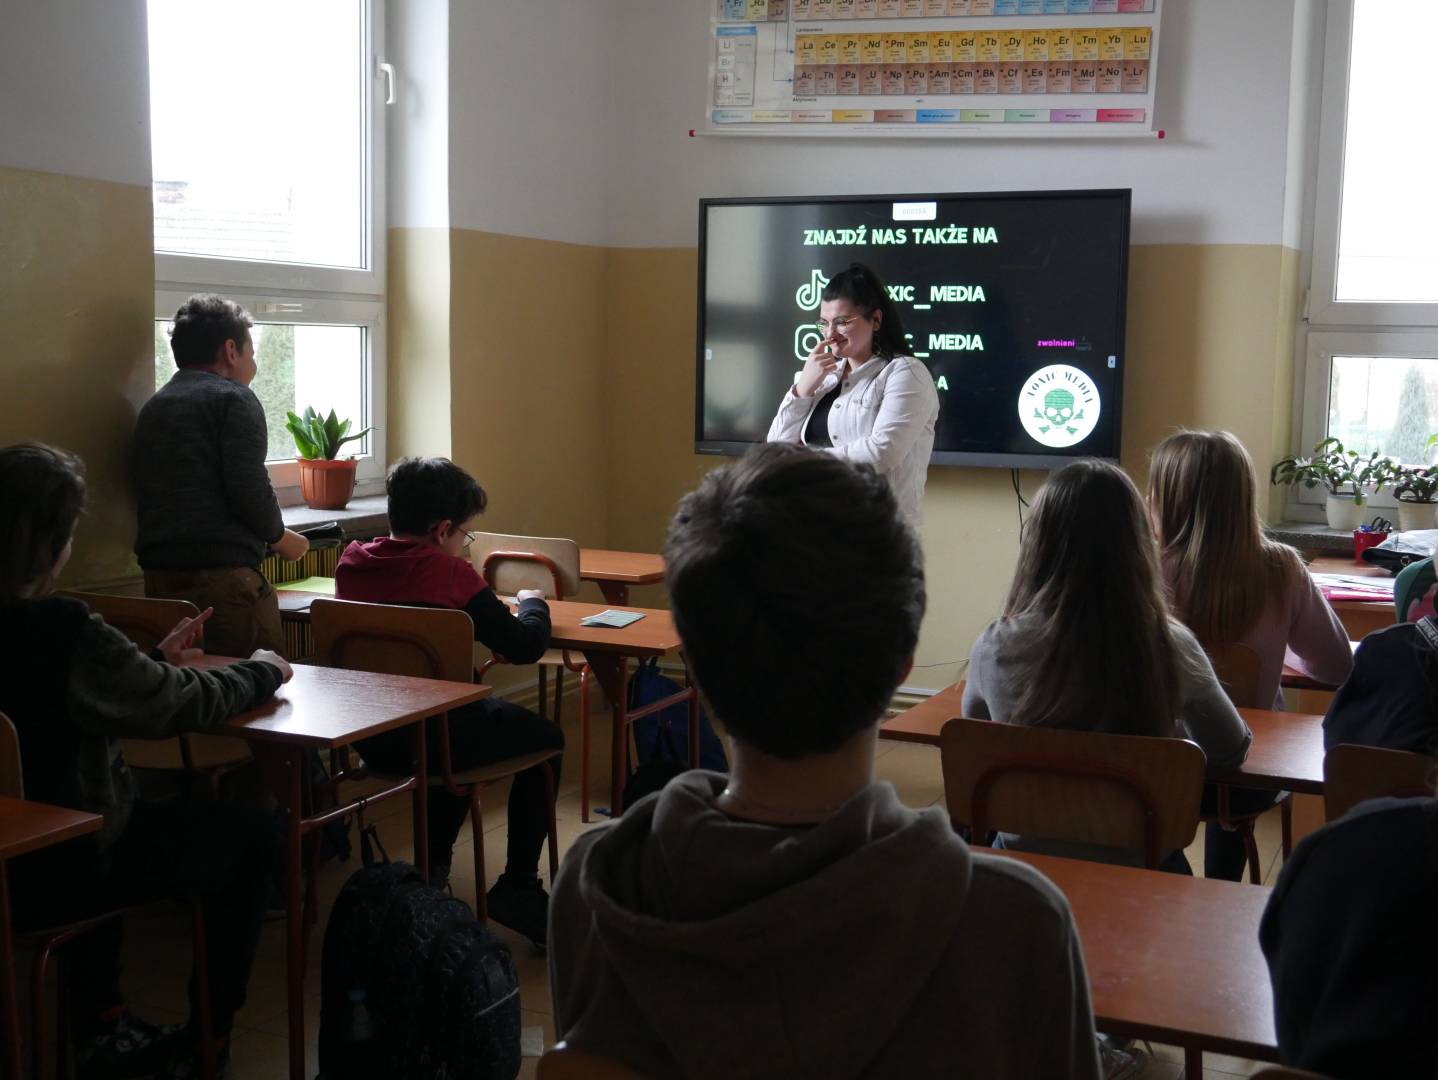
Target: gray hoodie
(689,944)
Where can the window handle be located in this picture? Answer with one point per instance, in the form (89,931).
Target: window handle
(387,70)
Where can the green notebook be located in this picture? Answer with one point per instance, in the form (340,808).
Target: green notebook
(324,585)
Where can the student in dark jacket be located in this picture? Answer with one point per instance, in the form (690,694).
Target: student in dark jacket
(74,687)
(432,504)
(207,514)
(1391,697)
(1352,944)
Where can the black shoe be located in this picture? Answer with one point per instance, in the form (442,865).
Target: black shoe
(522,905)
(125,1047)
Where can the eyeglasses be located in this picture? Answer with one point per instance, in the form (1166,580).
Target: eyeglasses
(841,324)
(469,538)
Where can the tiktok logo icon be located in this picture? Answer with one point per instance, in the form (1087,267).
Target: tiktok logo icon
(807,295)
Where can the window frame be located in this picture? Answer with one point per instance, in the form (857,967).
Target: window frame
(1328,327)
(306,293)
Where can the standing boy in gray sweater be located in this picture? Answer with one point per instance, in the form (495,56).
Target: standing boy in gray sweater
(207,512)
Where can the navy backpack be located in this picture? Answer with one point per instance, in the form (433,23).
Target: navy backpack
(661,739)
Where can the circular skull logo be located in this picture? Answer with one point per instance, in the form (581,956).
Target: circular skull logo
(1059,406)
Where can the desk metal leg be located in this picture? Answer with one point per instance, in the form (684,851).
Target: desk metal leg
(421,800)
(612,671)
(615,592)
(11,1004)
(294,913)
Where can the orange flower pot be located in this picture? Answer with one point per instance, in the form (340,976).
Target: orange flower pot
(327,485)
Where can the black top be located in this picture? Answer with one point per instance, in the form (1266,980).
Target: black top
(816,431)
(1391,697)
(1351,939)
(203,493)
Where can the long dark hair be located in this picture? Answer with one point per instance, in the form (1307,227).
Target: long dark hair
(861,286)
(42,491)
(1099,654)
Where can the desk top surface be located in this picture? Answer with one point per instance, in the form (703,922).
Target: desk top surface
(1169,956)
(331,707)
(627,567)
(28,826)
(653,635)
(1286,755)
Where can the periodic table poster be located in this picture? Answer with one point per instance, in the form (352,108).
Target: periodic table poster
(932,67)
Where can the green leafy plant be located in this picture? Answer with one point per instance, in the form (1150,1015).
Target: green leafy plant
(1337,469)
(319,438)
(1418,485)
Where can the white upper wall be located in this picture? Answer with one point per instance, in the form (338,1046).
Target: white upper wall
(417,124)
(1217,179)
(74,88)
(532,116)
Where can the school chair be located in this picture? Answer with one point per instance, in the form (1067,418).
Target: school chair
(146,621)
(561,1063)
(431,643)
(1237,668)
(1124,791)
(46,941)
(1354,774)
(551,565)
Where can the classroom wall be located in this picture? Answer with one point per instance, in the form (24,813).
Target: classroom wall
(1213,283)
(76,262)
(573,266)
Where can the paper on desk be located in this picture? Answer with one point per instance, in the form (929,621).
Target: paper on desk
(1355,582)
(612,619)
(324,585)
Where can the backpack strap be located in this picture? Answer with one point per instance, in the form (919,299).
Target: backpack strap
(1428,627)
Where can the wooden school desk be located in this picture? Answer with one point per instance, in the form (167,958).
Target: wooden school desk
(326,708)
(615,571)
(607,652)
(1359,617)
(1170,957)
(25,827)
(1286,755)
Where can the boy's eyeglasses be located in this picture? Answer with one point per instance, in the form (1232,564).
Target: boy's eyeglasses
(469,538)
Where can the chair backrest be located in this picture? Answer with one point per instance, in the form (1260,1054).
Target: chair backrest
(12,780)
(432,643)
(511,563)
(562,1063)
(1127,791)
(1237,669)
(1353,774)
(143,620)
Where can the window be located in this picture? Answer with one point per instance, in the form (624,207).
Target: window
(266,151)
(1371,376)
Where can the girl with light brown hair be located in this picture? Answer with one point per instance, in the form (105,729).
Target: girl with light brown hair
(1231,585)
(1226,580)
(1085,641)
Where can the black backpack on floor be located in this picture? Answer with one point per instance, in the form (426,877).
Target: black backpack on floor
(412,986)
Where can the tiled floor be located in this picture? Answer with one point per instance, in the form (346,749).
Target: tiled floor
(157,950)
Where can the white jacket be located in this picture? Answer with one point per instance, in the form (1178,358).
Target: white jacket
(884,417)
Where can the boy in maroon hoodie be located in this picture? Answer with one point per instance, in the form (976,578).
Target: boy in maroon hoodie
(432,503)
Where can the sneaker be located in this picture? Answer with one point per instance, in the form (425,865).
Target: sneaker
(1119,1064)
(124,1047)
(184,1062)
(522,905)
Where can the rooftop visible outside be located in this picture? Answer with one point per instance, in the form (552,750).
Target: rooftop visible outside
(257,129)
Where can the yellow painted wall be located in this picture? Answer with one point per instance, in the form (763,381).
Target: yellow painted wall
(573,400)
(417,403)
(77,296)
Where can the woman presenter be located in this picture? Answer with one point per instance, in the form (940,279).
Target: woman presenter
(860,395)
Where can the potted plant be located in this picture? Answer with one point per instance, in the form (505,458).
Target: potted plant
(1346,474)
(325,483)
(1417,493)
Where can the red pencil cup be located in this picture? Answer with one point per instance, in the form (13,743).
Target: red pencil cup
(1365,539)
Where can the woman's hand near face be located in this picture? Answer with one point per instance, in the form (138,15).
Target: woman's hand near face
(820,363)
